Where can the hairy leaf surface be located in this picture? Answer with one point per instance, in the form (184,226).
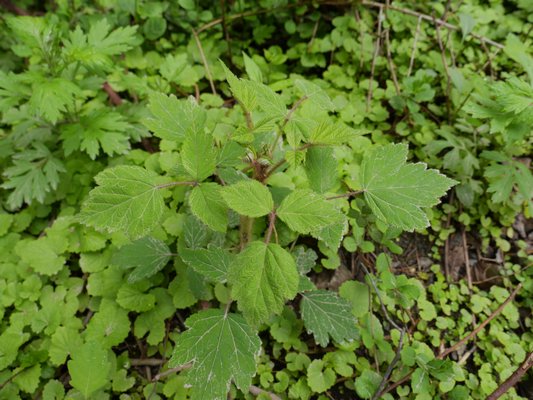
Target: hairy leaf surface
(305,211)
(89,368)
(249,198)
(321,168)
(222,348)
(397,191)
(207,204)
(264,277)
(173,119)
(146,256)
(326,315)
(126,199)
(213,263)
(198,155)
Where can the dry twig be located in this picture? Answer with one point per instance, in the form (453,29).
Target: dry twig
(445,65)
(374,57)
(256,391)
(391,366)
(439,22)
(413,52)
(482,325)
(391,63)
(171,371)
(513,379)
(204,61)
(461,342)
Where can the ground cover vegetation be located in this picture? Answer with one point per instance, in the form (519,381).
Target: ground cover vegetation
(268,199)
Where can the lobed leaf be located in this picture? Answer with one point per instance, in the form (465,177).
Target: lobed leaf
(126,199)
(221,348)
(89,368)
(213,263)
(304,211)
(207,204)
(326,315)
(397,191)
(146,256)
(264,277)
(249,197)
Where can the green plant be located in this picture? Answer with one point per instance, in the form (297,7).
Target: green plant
(206,191)
(263,274)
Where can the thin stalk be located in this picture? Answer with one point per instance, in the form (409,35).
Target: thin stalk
(271,224)
(172,184)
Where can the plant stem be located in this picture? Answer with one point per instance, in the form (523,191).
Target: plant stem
(114,97)
(286,120)
(413,52)
(293,109)
(3,384)
(446,70)
(204,61)
(245,230)
(172,184)
(348,194)
(374,57)
(135,362)
(271,223)
(256,391)
(171,371)
(283,161)
(388,373)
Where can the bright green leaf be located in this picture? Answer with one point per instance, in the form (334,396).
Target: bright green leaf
(264,277)
(222,348)
(126,200)
(304,211)
(332,133)
(321,169)
(357,293)
(243,90)
(249,197)
(252,69)
(89,368)
(420,381)
(131,298)
(174,119)
(213,263)
(63,343)
(207,204)
(146,256)
(40,255)
(319,377)
(109,326)
(198,155)
(397,192)
(326,315)
(367,384)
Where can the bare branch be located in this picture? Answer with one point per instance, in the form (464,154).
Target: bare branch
(204,61)
(413,52)
(171,371)
(374,57)
(482,325)
(257,391)
(391,366)
(513,379)
(429,18)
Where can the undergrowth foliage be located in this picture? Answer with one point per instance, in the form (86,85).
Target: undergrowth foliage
(259,271)
(273,199)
